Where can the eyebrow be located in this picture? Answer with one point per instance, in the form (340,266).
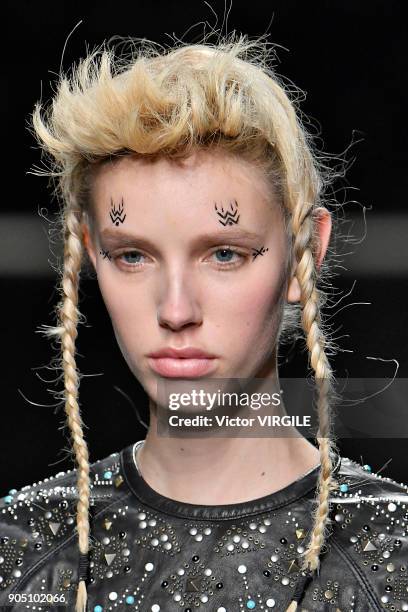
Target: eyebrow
(113,236)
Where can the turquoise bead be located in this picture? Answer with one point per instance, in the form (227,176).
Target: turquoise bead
(98,609)
(12,491)
(8,499)
(107,475)
(367,468)
(250,604)
(344,488)
(130,599)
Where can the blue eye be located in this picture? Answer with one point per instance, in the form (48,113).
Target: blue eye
(226,254)
(131,257)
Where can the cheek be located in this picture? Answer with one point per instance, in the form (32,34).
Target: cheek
(252,315)
(251,304)
(128,307)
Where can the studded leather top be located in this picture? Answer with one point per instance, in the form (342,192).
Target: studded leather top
(155,554)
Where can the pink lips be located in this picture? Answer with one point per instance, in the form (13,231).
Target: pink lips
(187,362)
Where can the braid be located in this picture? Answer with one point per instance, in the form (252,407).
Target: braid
(69,315)
(303,230)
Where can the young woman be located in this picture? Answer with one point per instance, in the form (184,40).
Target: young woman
(188,180)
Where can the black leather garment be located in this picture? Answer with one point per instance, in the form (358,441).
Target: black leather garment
(154,554)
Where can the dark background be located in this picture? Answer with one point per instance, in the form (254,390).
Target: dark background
(350,59)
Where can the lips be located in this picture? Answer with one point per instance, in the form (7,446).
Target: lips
(185,353)
(182,363)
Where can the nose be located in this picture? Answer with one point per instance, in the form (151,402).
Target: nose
(178,306)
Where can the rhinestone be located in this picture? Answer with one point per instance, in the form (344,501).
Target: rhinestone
(242,569)
(113,596)
(149,567)
(270,603)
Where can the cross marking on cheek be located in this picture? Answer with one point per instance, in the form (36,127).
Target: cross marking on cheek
(257,252)
(228,217)
(105,254)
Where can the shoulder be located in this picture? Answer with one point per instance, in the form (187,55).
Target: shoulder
(38,526)
(369,533)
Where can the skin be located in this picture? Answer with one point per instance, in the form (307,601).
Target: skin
(179,291)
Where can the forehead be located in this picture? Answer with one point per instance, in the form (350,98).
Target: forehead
(149,185)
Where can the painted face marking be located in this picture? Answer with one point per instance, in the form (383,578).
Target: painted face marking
(116,214)
(229,217)
(105,254)
(257,252)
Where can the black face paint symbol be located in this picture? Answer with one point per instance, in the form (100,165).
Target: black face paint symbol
(228,218)
(105,254)
(257,252)
(116,214)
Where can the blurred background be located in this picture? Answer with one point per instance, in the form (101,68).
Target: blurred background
(349,58)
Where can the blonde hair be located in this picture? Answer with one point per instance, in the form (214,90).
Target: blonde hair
(153,102)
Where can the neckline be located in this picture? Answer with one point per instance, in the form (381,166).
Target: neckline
(278,499)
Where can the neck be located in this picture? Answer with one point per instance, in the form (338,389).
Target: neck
(222,470)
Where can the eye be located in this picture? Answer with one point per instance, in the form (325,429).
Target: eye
(130,258)
(227,257)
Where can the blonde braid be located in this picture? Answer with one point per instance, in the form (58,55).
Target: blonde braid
(315,339)
(69,315)
(306,274)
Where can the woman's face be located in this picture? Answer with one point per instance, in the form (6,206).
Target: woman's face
(189,254)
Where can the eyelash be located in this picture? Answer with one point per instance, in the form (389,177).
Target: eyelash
(223,266)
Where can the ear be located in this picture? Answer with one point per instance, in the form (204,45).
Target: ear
(323,227)
(88,243)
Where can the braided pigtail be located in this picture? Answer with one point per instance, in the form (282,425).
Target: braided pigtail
(66,332)
(69,314)
(306,273)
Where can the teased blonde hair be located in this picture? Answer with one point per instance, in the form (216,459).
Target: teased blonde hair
(153,102)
